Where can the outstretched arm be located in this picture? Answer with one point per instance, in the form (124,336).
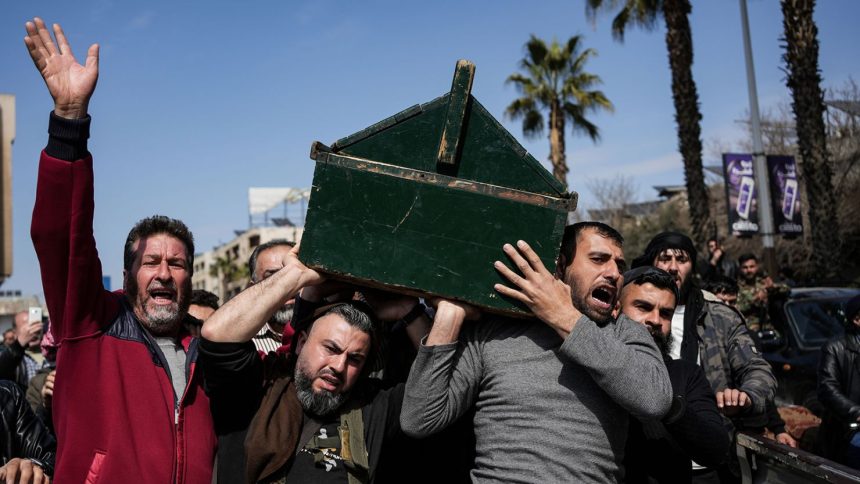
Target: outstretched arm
(242,317)
(70,83)
(62,227)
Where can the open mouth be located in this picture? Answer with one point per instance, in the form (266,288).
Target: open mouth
(604,296)
(162,295)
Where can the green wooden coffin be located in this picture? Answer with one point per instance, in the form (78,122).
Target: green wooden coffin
(423,201)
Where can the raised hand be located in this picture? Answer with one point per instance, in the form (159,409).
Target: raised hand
(70,83)
(547,297)
(30,333)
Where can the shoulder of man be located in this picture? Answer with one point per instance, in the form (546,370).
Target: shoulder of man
(721,312)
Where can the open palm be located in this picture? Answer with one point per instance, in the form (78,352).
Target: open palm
(70,83)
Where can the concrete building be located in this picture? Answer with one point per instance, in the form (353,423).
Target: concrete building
(7,137)
(224,269)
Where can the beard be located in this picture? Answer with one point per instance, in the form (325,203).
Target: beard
(685,288)
(159,320)
(596,314)
(663,341)
(282,317)
(320,404)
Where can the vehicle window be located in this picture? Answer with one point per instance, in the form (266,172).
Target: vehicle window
(817,320)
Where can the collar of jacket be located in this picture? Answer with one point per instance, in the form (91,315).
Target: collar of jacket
(852,341)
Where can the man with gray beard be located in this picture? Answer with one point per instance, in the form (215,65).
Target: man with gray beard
(129,402)
(265,261)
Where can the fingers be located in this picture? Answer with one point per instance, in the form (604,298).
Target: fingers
(26,471)
(732,397)
(510,275)
(61,40)
(38,475)
(517,259)
(93,62)
(12,471)
(45,36)
(512,293)
(534,261)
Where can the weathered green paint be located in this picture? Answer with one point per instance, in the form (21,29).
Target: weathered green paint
(424,200)
(488,153)
(458,101)
(372,226)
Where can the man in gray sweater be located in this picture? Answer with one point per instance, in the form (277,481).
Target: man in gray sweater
(553,394)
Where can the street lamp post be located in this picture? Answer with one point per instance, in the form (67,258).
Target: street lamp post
(765,209)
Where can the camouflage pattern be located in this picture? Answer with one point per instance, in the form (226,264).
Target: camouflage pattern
(755,311)
(729,356)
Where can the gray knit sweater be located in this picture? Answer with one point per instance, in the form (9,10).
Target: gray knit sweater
(547,410)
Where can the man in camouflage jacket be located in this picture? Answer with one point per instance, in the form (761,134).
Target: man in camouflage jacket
(754,293)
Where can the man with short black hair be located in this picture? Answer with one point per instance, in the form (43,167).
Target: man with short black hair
(719,263)
(565,381)
(712,334)
(755,291)
(661,450)
(129,400)
(203,303)
(724,288)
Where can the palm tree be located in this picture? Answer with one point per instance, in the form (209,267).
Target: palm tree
(555,81)
(227,271)
(804,80)
(679,42)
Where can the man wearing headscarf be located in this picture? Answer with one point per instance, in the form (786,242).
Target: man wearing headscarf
(707,332)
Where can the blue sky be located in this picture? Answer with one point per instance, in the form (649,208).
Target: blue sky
(197,101)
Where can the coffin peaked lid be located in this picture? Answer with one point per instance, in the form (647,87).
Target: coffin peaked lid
(422,202)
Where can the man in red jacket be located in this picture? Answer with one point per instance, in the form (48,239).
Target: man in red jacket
(129,405)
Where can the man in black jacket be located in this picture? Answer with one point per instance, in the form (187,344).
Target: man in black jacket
(27,448)
(839,392)
(693,429)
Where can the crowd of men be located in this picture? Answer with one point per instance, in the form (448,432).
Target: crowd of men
(622,374)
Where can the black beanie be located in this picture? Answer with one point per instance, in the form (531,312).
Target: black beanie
(663,241)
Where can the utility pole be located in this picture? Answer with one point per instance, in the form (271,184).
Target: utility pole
(765,209)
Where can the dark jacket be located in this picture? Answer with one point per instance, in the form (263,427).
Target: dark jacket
(234,376)
(693,429)
(12,366)
(22,435)
(116,416)
(839,393)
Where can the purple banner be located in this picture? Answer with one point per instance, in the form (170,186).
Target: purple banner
(740,194)
(785,194)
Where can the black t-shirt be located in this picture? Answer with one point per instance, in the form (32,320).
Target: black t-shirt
(319,461)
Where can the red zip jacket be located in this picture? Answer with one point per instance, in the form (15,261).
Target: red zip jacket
(113,401)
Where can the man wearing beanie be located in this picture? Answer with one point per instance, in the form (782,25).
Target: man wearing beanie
(839,392)
(707,332)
